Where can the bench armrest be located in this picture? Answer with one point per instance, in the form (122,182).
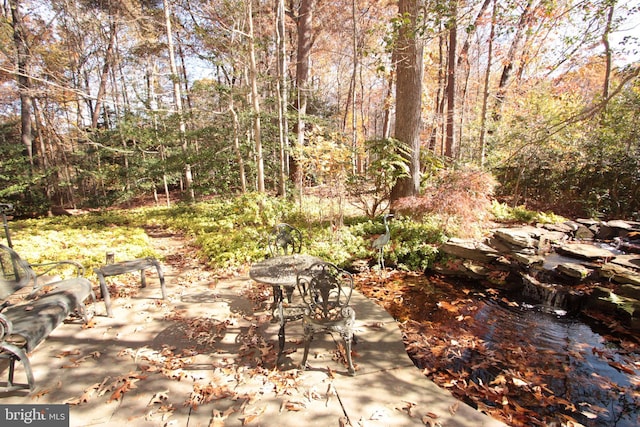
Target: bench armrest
(6,327)
(46,267)
(79,269)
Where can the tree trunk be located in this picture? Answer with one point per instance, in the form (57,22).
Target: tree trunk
(451,82)
(408,97)
(236,146)
(102,88)
(354,109)
(507,69)
(386,122)
(282,97)
(607,51)
(485,93)
(177,98)
(255,102)
(463,58)
(303,64)
(24,82)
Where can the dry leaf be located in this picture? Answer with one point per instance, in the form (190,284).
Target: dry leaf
(454,408)
(408,407)
(294,405)
(68,353)
(252,417)
(518,382)
(90,324)
(41,393)
(430,421)
(218,419)
(159,397)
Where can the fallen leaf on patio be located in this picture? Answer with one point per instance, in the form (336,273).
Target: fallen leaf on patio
(252,417)
(86,395)
(379,414)
(74,364)
(68,353)
(430,421)
(331,373)
(128,382)
(408,406)
(218,419)
(159,397)
(41,393)
(454,408)
(90,324)
(291,405)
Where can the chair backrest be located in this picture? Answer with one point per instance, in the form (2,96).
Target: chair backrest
(326,290)
(15,273)
(285,240)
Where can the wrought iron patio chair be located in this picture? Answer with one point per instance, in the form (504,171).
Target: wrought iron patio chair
(285,240)
(326,292)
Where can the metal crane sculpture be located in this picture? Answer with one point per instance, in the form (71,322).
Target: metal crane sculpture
(382,241)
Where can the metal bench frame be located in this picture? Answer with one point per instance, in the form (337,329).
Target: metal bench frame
(127,267)
(26,321)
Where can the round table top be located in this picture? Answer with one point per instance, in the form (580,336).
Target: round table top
(281,270)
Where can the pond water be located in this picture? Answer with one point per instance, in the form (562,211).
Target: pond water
(574,362)
(525,364)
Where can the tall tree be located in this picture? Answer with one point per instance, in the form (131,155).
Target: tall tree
(607,48)
(282,95)
(177,99)
(409,71)
(451,79)
(257,131)
(304,22)
(510,60)
(23,77)
(485,91)
(102,87)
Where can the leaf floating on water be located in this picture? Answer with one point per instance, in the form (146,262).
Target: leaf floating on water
(518,382)
(589,415)
(621,367)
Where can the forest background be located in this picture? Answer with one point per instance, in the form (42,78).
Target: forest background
(103,101)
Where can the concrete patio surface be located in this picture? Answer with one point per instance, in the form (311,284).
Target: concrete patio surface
(205,357)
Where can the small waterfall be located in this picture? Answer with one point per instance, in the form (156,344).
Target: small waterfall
(550,295)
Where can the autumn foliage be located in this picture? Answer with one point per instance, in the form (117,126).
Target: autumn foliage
(459,197)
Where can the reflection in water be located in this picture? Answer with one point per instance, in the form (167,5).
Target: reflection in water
(523,364)
(572,360)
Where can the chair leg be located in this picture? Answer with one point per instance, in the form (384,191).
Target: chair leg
(347,350)
(308,337)
(281,340)
(277,295)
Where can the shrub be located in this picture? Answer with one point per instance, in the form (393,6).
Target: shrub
(458,198)
(520,214)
